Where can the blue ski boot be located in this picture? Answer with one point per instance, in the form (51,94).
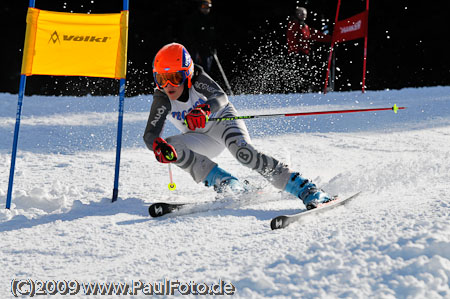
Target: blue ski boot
(306,191)
(222,179)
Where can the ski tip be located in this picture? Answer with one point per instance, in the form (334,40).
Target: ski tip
(356,194)
(278,222)
(160,208)
(156,209)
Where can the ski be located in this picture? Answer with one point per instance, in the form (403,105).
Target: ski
(162,208)
(231,201)
(283,221)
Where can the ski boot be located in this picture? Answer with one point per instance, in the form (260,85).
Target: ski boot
(306,191)
(221,180)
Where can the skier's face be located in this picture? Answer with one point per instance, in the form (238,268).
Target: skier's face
(301,14)
(173,92)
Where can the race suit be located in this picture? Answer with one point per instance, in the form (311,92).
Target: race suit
(195,149)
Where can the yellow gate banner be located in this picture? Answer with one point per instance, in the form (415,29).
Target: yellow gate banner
(73,44)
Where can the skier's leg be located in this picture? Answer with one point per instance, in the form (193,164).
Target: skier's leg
(235,137)
(194,152)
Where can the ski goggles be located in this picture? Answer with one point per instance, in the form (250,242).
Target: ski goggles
(175,78)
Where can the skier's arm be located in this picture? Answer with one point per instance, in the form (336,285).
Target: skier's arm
(217,98)
(157,117)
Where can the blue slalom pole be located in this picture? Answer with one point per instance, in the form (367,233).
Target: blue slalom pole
(119,129)
(119,139)
(23,81)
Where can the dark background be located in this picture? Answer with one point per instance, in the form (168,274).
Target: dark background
(407,44)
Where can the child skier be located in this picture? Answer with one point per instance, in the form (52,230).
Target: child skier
(187,96)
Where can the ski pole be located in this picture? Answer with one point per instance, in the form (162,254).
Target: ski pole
(172,185)
(223,74)
(395,108)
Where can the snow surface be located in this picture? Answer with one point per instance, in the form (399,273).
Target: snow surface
(391,242)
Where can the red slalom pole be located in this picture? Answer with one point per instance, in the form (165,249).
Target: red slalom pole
(394,108)
(365,50)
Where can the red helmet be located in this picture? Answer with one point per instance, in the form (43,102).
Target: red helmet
(172,65)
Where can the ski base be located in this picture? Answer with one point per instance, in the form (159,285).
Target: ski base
(283,221)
